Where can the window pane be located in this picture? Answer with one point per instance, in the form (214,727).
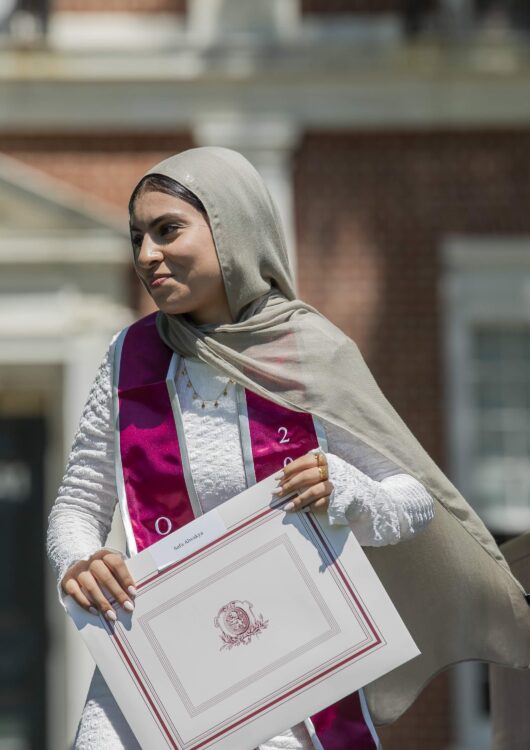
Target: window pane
(500,407)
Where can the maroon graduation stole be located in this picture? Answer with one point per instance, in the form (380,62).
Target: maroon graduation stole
(152,485)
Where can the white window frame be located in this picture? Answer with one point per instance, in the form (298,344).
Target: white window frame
(484,281)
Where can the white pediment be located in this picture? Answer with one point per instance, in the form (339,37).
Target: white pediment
(65,258)
(32,201)
(65,264)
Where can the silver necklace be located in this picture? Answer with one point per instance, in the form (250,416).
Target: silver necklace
(195,395)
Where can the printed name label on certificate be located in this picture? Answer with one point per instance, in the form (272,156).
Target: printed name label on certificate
(187,540)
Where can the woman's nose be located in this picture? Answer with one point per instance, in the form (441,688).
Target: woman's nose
(149,252)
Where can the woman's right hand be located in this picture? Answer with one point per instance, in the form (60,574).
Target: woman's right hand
(83,581)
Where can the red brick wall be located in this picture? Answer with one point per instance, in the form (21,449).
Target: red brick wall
(124,6)
(372,211)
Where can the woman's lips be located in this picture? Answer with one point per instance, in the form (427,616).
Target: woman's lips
(160,280)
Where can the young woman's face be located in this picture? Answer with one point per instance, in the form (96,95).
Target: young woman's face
(175,256)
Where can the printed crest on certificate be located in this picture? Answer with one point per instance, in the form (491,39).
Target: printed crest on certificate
(238,624)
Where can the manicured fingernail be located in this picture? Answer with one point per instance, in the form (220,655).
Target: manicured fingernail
(110,614)
(129,606)
(132,591)
(93,611)
(279,476)
(288,506)
(277,491)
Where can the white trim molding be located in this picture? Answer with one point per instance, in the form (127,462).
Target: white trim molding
(485,282)
(126,72)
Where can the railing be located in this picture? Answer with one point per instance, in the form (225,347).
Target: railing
(441,17)
(25,21)
(507,13)
(466,17)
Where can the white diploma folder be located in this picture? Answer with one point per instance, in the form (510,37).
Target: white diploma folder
(247,621)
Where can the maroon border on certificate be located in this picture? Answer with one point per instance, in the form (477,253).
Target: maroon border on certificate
(159,576)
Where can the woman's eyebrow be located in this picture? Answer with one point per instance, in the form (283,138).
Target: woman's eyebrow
(171,215)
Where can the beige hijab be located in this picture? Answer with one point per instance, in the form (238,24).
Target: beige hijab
(451,584)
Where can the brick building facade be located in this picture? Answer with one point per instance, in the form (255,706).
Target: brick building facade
(375,181)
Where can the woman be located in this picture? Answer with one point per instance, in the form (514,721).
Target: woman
(209,248)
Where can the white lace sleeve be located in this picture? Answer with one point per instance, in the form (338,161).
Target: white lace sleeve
(382,504)
(81,517)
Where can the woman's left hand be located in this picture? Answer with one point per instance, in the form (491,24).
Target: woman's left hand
(310,480)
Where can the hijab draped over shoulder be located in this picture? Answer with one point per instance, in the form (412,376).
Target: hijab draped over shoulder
(451,584)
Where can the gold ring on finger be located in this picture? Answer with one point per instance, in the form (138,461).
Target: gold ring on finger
(323,471)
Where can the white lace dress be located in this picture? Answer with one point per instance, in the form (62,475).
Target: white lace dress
(380,503)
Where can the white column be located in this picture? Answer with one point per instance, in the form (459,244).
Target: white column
(268,144)
(84,353)
(212,20)
(79,370)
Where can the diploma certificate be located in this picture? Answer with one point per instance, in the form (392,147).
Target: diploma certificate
(247,621)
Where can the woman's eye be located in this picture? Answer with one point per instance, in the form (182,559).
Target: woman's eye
(165,230)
